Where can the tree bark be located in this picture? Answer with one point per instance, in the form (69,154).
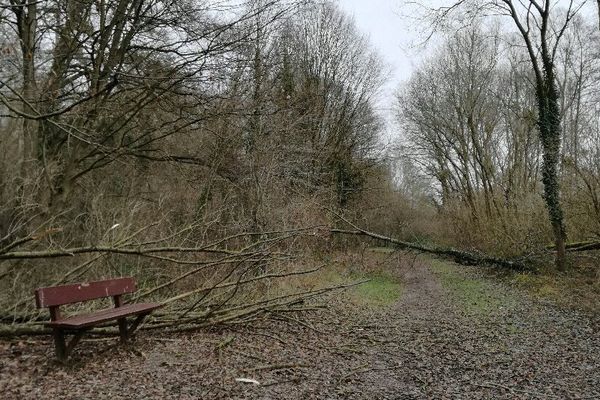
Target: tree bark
(549,116)
(550,135)
(598,1)
(460,257)
(26,23)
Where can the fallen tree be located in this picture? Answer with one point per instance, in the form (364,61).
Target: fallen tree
(459,256)
(579,246)
(172,322)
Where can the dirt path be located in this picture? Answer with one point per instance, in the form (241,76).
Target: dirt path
(453,334)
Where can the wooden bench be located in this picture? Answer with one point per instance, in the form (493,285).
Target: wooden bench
(56,296)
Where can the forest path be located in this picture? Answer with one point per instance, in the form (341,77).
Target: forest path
(454,333)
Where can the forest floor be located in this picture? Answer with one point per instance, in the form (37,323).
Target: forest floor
(422,330)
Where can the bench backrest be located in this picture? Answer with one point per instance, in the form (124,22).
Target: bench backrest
(67,294)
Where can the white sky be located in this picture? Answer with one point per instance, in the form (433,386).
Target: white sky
(388,31)
(397,36)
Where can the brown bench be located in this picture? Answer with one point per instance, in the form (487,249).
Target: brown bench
(56,296)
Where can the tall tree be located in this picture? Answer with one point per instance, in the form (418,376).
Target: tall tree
(598,2)
(541,26)
(450,112)
(337,76)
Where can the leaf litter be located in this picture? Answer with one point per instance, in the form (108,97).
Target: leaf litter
(430,343)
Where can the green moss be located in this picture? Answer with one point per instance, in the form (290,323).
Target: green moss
(379,291)
(474,295)
(542,286)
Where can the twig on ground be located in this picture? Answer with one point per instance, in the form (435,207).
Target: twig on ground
(275,367)
(293,380)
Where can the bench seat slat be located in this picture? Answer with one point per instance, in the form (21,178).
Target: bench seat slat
(98,317)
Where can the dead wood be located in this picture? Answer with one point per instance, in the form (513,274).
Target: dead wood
(580,246)
(460,257)
(241,313)
(276,367)
(241,282)
(207,305)
(235,315)
(149,248)
(136,251)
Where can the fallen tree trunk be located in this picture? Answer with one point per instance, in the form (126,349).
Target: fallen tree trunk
(579,246)
(460,257)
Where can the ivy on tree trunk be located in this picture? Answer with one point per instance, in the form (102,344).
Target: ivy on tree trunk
(550,136)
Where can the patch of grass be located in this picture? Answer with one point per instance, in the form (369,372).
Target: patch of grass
(382,250)
(474,295)
(383,288)
(541,286)
(380,291)
(575,289)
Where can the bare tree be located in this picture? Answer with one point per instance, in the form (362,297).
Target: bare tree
(541,29)
(450,111)
(169,139)
(336,77)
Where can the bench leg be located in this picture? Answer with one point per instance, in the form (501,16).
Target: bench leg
(64,349)
(123,330)
(140,318)
(60,345)
(74,340)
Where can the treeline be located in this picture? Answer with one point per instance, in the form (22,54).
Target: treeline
(146,136)
(103,98)
(471,117)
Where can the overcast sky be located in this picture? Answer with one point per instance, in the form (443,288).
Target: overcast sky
(388,31)
(396,36)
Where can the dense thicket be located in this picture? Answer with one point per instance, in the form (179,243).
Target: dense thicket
(187,125)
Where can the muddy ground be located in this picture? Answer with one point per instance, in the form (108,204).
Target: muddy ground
(453,333)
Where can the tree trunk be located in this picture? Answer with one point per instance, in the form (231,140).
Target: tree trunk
(550,135)
(458,256)
(598,13)
(26,19)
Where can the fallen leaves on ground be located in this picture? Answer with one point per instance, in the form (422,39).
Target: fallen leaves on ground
(426,345)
